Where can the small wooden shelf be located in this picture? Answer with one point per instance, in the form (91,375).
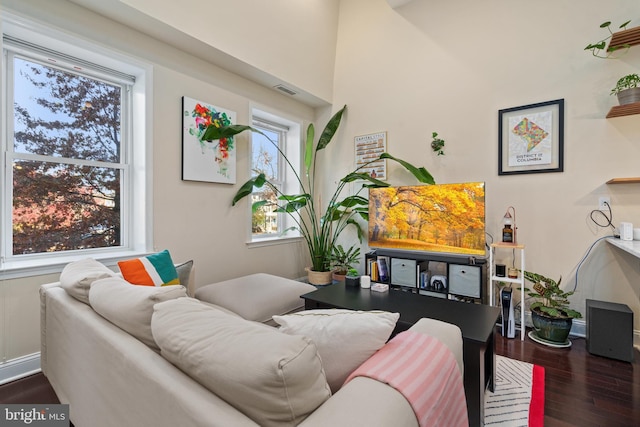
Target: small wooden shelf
(624,181)
(507,245)
(630,37)
(624,110)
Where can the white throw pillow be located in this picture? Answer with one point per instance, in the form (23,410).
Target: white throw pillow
(77,277)
(130,307)
(345,338)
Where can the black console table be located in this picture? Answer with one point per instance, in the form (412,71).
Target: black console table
(476,321)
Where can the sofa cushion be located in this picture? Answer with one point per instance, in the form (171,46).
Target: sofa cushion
(152,270)
(273,378)
(76,277)
(130,307)
(345,338)
(257,296)
(184,271)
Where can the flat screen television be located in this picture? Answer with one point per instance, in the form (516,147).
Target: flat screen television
(448,218)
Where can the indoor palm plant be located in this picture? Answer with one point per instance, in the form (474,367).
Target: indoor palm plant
(319,228)
(551,315)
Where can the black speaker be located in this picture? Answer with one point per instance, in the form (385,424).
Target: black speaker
(610,330)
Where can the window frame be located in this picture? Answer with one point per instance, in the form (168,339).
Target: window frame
(293,149)
(136,155)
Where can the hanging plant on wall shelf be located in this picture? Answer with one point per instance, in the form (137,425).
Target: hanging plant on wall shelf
(599,47)
(437,145)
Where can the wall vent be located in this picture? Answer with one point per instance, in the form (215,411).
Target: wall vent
(283,88)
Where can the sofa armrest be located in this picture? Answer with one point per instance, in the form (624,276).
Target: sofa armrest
(363,402)
(43,323)
(449,334)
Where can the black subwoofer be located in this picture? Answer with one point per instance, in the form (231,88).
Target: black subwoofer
(610,330)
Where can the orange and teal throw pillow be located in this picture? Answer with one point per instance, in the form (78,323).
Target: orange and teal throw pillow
(152,270)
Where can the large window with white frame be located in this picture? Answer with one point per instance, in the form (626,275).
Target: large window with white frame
(282,136)
(68,183)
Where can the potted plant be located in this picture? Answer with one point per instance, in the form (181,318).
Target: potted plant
(598,48)
(342,261)
(319,228)
(550,313)
(352,278)
(627,89)
(437,144)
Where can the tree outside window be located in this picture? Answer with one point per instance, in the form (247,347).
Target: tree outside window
(67,160)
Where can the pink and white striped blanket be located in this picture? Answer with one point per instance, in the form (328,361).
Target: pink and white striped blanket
(425,372)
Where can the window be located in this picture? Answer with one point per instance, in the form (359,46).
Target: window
(283,136)
(70,148)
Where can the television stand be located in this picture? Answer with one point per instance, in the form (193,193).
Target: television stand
(440,275)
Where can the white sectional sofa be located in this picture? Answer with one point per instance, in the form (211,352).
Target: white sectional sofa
(157,357)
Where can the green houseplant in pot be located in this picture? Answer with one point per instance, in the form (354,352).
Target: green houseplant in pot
(318,225)
(353,278)
(551,315)
(342,260)
(627,89)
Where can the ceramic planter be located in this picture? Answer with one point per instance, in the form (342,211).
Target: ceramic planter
(551,328)
(629,96)
(353,281)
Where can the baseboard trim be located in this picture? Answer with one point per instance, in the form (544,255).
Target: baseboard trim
(18,368)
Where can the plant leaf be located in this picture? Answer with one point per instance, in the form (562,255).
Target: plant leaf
(308,148)
(330,129)
(361,176)
(257,205)
(420,173)
(247,188)
(352,201)
(212,132)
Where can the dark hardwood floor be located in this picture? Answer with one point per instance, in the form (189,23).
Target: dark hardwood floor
(580,389)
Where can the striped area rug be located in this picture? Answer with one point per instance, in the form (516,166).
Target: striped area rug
(518,399)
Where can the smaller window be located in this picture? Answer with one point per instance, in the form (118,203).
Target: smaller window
(267,159)
(282,136)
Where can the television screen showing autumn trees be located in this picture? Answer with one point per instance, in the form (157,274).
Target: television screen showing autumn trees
(435,218)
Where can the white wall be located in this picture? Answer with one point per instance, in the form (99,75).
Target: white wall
(446,66)
(193,220)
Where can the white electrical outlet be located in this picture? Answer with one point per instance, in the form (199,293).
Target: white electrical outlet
(603,201)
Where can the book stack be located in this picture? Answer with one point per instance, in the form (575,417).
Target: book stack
(378,269)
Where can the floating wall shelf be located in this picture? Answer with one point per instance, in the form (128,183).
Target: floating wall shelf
(624,110)
(624,181)
(630,37)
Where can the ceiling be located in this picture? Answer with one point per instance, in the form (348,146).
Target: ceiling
(120,12)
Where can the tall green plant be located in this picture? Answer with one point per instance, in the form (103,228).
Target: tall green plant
(320,229)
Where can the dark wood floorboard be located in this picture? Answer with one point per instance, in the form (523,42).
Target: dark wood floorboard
(580,389)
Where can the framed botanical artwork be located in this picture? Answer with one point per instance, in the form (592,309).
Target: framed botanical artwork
(368,148)
(213,161)
(531,138)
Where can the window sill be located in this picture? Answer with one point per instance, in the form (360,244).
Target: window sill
(54,264)
(271,241)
